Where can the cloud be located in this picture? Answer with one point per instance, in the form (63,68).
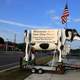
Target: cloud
(20,24)
(13,23)
(55,17)
(51,11)
(77,20)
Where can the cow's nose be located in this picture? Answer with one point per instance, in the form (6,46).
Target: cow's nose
(44,45)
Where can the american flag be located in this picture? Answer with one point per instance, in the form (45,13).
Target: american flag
(65,14)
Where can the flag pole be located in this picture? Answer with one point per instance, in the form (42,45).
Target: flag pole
(64,21)
(66,24)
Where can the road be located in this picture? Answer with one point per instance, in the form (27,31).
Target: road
(9,59)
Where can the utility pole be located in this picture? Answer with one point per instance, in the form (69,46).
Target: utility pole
(14,37)
(6,45)
(14,41)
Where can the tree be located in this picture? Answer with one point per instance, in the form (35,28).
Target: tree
(1,40)
(21,46)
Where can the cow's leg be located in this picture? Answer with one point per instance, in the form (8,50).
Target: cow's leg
(60,53)
(26,52)
(61,44)
(60,58)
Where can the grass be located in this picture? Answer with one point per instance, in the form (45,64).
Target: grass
(16,74)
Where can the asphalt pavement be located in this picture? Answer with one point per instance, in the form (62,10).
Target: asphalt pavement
(10,59)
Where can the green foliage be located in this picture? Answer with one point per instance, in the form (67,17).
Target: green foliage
(1,40)
(75,52)
(43,60)
(21,46)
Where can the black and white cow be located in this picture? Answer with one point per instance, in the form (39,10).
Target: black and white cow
(62,36)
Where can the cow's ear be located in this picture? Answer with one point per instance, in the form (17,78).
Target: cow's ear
(76,33)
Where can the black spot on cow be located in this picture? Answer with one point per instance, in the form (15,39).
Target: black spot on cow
(73,33)
(44,45)
(60,39)
(62,47)
(66,32)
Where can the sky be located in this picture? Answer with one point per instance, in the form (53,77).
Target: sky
(18,15)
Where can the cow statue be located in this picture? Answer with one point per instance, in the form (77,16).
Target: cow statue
(62,34)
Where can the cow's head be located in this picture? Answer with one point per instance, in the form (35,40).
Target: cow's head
(72,34)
